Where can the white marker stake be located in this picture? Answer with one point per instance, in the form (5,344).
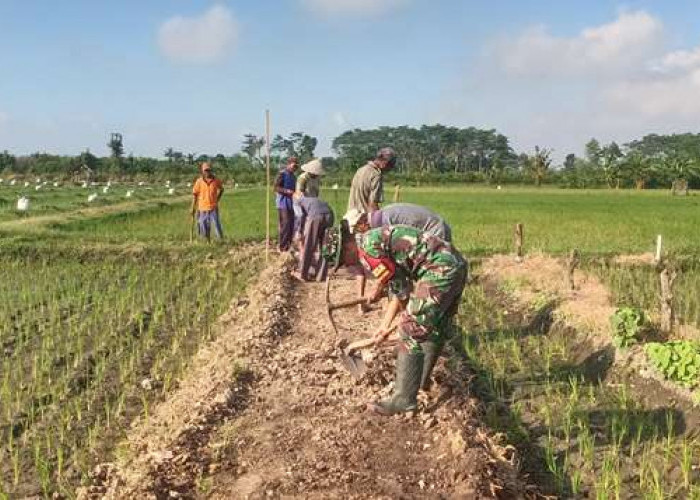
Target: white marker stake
(657,258)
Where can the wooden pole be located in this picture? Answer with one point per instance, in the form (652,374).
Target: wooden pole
(667,314)
(657,257)
(397,193)
(518,236)
(573,262)
(268,187)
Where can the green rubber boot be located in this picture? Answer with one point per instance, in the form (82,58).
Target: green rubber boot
(432,352)
(409,367)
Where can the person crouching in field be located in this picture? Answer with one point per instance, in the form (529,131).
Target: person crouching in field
(437,274)
(316,218)
(406,214)
(207,191)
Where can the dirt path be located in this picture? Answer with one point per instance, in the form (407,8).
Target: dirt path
(267,411)
(34,223)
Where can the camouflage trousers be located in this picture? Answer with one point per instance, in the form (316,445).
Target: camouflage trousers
(432,306)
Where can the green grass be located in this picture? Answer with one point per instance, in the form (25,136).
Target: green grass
(77,291)
(555,220)
(51,200)
(79,332)
(84,319)
(242,214)
(639,286)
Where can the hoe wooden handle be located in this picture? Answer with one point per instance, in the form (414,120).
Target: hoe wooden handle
(347,303)
(359,345)
(365,343)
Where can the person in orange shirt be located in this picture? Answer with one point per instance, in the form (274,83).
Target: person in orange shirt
(207,191)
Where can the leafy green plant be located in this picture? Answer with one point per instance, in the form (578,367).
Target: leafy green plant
(678,361)
(626,322)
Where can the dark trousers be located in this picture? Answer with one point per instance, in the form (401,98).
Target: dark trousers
(314,231)
(286,228)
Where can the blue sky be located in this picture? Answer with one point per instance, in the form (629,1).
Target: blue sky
(196,75)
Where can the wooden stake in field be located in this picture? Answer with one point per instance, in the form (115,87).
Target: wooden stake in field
(397,193)
(657,257)
(572,264)
(268,187)
(667,314)
(518,237)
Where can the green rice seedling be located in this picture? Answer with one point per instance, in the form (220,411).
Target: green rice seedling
(576,482)
(686,463)
(552,463)
(669,441)
(591,396)
(657,489)
(15,467)
(601,488)
(586,444)
(574,387)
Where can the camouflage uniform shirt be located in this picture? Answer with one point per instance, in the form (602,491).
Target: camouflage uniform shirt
(438,273)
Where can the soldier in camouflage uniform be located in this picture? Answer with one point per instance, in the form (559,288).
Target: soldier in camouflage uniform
(438,275)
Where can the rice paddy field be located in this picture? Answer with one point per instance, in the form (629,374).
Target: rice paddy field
(103,302)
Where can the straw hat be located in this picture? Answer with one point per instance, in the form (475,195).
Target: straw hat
(313,167)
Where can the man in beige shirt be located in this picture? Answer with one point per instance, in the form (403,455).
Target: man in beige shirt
(367,189)
(367,192)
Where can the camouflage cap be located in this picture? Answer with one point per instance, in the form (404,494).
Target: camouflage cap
(373,242)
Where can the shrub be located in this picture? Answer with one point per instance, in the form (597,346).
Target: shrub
(626,323)
(678,361)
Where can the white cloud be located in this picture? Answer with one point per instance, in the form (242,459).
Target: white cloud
(654,95)
(207,38)
(679,60)
(615,81)
(359,8)
(610,48)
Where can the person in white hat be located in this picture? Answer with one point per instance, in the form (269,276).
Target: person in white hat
(309,182)
(308,186)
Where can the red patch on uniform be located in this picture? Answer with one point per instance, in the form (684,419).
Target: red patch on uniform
(383,268)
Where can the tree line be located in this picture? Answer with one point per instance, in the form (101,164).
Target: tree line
(428,154)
